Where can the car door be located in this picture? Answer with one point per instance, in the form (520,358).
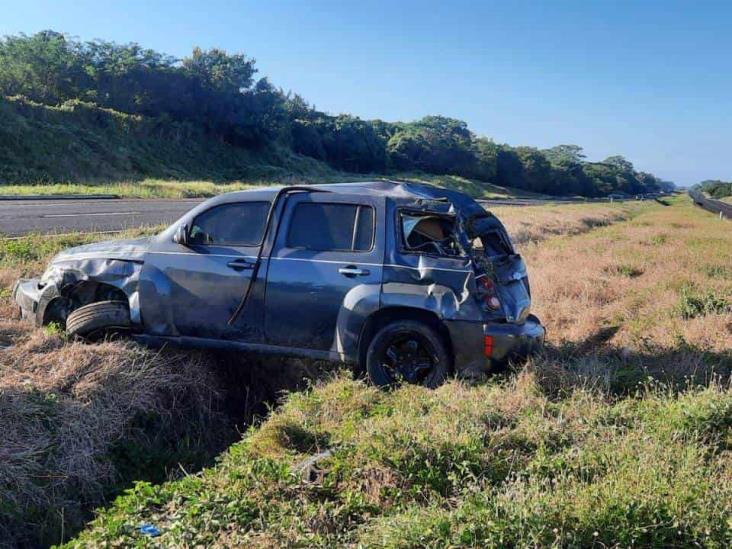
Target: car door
(194,289)
(324,273)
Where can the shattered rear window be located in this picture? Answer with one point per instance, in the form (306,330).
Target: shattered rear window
(489,237)
(429,234)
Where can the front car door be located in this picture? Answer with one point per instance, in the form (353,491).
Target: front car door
(324,273)
(194,290)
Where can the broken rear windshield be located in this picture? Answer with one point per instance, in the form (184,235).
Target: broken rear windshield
(489,236)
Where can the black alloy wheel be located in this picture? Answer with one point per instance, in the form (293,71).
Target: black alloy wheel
(407,352)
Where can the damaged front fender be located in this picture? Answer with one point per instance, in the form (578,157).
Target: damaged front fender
(72,283)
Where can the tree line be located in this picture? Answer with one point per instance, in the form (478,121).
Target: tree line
(221,94)
(715,188)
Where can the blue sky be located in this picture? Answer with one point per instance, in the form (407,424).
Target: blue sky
(650,80)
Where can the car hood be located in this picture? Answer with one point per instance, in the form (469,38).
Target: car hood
(130,250)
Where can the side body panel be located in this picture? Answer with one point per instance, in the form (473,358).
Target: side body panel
(311,302)
(194,290)
(442,285)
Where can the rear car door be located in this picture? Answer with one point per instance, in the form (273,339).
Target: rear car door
(193,290)
(325,270)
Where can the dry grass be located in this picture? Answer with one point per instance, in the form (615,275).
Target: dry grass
(77,419)
(584,447)
(631,278)
(537,223)
(611,282)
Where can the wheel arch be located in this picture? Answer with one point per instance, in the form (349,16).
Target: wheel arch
(386,315)
(79,294)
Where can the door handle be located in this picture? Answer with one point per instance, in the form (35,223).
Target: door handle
(240,265)
(352,270)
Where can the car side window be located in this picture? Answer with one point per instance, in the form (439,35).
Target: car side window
(331,227)
(429,234)
(237,224)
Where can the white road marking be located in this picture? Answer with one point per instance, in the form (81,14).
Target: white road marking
(17,204)
(91,214)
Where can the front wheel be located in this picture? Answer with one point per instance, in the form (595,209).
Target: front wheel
(407,351)
(96,320)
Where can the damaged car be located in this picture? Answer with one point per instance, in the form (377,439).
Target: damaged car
(407,282)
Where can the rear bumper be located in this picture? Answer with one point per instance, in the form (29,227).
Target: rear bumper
(514,340)
(474,357)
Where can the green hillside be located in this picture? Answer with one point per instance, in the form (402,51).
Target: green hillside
(103,111)
(80,141)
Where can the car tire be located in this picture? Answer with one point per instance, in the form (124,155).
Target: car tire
(96,320)
(428,340)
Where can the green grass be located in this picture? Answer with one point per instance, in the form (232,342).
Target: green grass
(148,188)
(494,466)
(30,249)
(159,188)
(693,304)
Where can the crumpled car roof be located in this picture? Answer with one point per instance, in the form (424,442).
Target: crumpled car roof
(399,191)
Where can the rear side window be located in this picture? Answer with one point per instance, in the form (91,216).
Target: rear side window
(429,234)
(331,227)
(239,224)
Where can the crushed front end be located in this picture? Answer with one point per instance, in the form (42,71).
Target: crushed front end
(81,275)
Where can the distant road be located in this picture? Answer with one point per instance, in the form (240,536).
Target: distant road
(724,209)
(19,217)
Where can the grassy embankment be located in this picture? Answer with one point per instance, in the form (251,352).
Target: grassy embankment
(161,188)
(618,435)
(79,142)
(81,422)
(79,148)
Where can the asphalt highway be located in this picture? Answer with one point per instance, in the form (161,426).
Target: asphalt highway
(49,216)
(19,217)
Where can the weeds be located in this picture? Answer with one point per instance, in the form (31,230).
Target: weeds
(625,270)
(718,271)
(694,304)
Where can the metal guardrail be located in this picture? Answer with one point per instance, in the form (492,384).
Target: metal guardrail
(715,206)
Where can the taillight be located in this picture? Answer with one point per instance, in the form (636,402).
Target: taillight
(487,291)
(488,348)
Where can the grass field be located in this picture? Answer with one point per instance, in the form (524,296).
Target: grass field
(617,435)
(160,188)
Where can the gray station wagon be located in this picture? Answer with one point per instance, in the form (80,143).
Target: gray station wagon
(407,282)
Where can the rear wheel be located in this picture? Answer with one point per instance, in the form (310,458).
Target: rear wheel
(407,351)
(96,320)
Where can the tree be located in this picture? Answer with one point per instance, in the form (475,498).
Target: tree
(565,155)
(619,162)
(218,93)
(45,67)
